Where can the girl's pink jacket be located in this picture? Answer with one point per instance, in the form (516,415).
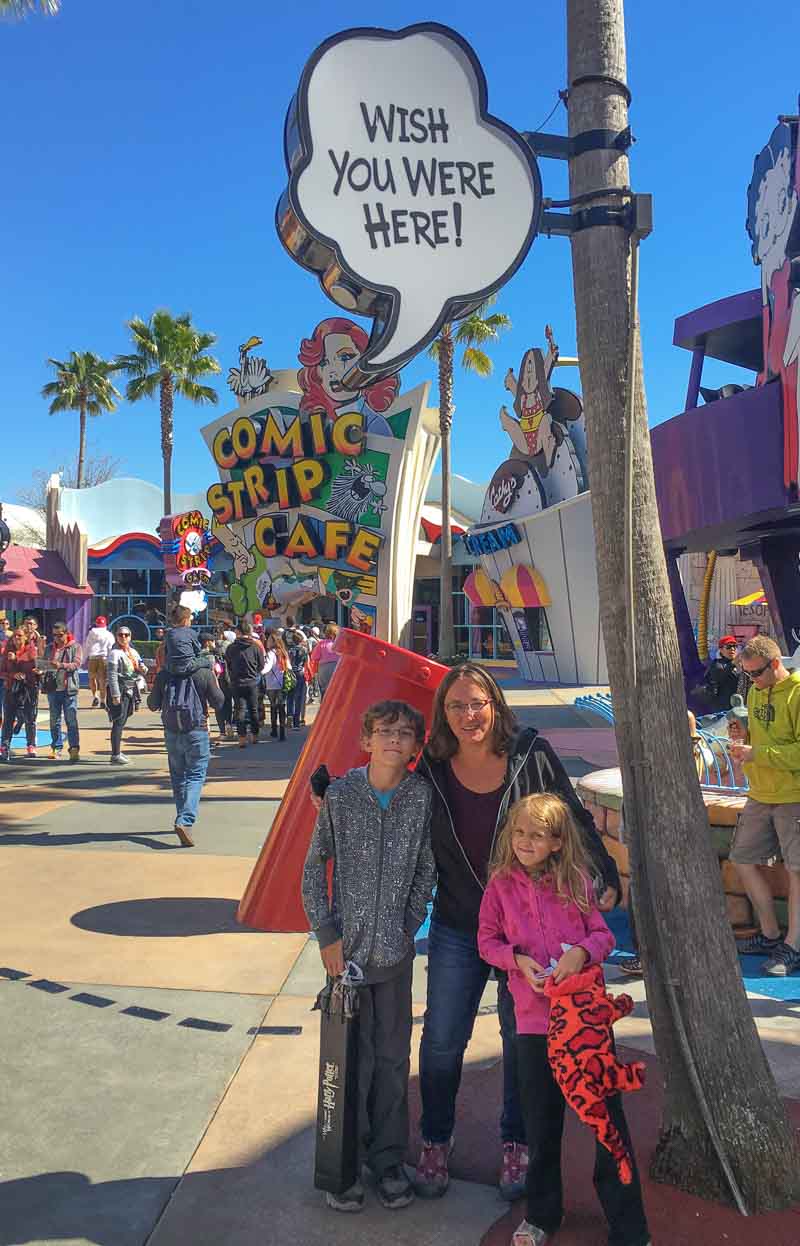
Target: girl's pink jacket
(520,915)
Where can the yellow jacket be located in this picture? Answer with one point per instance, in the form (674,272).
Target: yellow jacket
(774,713)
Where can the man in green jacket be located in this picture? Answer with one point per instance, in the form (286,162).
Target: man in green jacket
(769,825)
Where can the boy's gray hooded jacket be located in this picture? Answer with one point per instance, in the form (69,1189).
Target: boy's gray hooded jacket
(383,872)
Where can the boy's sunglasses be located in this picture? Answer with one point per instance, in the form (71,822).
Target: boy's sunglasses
(759,672)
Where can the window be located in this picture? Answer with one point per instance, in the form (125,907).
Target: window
(98,581)
(156,583)
(129,580)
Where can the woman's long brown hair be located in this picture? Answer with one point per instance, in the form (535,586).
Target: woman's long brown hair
(442,743)
(568,865)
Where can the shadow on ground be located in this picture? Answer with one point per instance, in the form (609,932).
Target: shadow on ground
(165,917)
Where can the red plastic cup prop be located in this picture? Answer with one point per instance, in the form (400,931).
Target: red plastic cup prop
(368,670)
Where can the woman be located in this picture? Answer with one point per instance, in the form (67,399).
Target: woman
(123,692)
(324,658)
(275,667)
(479,763)
(297,649)
(21,685)
(332,351)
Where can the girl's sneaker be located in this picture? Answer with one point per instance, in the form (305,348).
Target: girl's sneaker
(433,1176)
(351,1200)
(515,1170)
(54,754)
(30,751)
(4,753)
(528,1235)
(783,961)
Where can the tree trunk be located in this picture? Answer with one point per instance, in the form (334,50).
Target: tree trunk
(700,1014)
(446,647)
(167,395)
(81,446)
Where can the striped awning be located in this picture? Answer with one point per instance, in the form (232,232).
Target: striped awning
(523,586)
(480,589)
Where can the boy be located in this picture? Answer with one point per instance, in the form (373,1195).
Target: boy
(183,653)
(374,825)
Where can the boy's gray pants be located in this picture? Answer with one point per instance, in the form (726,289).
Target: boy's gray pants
(384,1049)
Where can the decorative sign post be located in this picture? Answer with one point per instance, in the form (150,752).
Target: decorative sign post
(406,197)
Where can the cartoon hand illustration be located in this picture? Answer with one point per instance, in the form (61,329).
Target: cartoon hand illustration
(510,382)
(243,559)
(511,426)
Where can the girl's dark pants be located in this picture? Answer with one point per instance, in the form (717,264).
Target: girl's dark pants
(20,701)
(384,1045)
(277,711)
(543,1108)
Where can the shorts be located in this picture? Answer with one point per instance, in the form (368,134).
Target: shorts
(97,668)
(765,833)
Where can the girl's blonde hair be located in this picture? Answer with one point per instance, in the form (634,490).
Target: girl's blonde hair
(568,863)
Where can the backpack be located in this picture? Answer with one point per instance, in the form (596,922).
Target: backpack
(181,707)
(289,680)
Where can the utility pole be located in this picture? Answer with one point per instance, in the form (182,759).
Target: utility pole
(724,1132)
(446,645)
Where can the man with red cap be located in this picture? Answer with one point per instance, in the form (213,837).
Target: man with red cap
(99,643)
(722,677)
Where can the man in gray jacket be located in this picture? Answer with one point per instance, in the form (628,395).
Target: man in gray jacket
(374,825)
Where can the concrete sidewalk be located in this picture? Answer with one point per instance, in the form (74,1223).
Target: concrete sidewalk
(158,1059)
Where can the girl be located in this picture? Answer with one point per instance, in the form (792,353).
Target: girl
(275,666)
(18,673)
(539,899)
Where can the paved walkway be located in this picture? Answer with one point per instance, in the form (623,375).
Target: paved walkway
(158,1060)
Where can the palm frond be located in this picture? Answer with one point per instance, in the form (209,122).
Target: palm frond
(19,8)
(196,393)
(145,386)
(477,361)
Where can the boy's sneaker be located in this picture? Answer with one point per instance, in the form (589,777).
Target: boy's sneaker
(351,1200)
(4,753)
(30,751)
(631,965)
(527,1234)
(95,702)
(394,1188)
(757,945)
(74,754)
(784,960)
(432,1177)
(119,759)
(515,1170)
(54,754)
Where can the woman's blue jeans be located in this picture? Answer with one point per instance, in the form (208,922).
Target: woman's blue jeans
(456,980)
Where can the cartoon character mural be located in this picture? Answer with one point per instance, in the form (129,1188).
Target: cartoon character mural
(773,223)
(548,432)
(309,482)
(252,378)
(334,348)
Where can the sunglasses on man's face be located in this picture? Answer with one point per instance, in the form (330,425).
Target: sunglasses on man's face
(757,674)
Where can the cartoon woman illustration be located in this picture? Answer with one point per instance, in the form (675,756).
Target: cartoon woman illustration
(536,436)
(773,224)
(327,356)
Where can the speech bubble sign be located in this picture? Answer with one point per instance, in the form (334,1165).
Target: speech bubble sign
(408,199)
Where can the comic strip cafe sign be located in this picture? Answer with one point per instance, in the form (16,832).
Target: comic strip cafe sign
(256,484)
(419,202)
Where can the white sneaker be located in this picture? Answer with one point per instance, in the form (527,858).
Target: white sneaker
(120,760)
(527,1234)
(352,1200)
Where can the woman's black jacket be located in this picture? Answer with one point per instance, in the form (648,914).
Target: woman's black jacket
(532,767)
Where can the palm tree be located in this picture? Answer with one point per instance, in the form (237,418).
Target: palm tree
(474,332)
(82,384)
(18,8)
(169,358)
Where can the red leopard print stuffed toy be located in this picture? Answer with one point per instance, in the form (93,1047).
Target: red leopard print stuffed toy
(581,1054)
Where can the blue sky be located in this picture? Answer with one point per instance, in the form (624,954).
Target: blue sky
(142,160)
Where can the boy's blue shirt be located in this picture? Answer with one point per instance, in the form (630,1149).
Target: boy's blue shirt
(383,798)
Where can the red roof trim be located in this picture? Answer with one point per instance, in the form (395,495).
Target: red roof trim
(100,551)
